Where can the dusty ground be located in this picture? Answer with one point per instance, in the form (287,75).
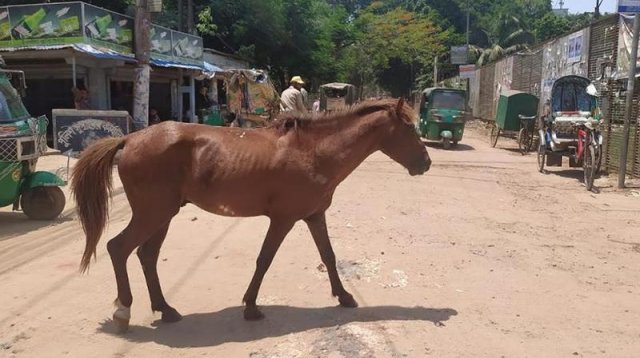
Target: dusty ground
(482,257)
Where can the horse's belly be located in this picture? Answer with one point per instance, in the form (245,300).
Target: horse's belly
(238,204)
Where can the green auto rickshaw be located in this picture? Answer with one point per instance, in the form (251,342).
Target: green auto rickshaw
(443,113)
(22,140)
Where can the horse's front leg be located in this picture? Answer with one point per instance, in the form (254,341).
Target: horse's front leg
(278,230)
(318,226)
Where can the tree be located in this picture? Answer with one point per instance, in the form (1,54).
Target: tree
(596,12)
(551,25)
(395,47)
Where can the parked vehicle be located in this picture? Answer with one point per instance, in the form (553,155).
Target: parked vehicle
(516,112)
(252,100)
(571,128)
(22,141)
(443,113)
(336,95)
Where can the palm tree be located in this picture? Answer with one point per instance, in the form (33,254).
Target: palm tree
(506,36)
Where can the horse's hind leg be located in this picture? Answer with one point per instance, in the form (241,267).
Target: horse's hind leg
(318,226)
(139,230)
(148,254)
(278,230)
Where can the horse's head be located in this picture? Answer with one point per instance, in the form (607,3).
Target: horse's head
(402,142)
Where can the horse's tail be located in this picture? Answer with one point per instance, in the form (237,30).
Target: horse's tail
(91,187)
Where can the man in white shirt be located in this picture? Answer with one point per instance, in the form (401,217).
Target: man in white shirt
(291,98)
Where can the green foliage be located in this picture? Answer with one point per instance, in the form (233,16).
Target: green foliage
(205,23)
(550,26)
(388,44)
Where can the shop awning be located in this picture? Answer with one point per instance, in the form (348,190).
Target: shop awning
(207,69)
(103,53)
(83,48)
(169,63)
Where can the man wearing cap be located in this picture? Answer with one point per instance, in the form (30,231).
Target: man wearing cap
(291,98)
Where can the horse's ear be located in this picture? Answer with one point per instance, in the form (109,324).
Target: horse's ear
(399,107)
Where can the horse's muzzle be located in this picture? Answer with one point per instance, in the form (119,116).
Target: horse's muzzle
(421,165)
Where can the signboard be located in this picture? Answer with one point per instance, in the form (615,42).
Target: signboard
(5,25)
(468,71)
(161,42)
(574,48)
(77,22)
(74,130)
(186,48)
(109,29)
(459,55)
(628,5)
(625,39)
(42,24)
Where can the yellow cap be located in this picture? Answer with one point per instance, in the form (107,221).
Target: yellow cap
(296,79)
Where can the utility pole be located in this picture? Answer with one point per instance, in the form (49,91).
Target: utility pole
(190,17)
(629,105)
(142,71)
(468,79)
(435,72)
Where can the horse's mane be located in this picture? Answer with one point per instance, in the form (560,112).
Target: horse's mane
(309,120)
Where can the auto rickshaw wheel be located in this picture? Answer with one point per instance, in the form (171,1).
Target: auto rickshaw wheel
(446,143)
(43,202)
(495,133)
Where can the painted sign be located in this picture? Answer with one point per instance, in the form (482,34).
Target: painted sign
(560,59)
(5,25)
(459,55)
(467,71)
(628,5)
(574,48)
(186,48)
(161,42)
(625,39)
(43,24)
(74,130)
(108,29)
(77,22)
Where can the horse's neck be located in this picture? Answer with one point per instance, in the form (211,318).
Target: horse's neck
(350,142)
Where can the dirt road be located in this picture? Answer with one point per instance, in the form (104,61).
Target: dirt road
(481,257)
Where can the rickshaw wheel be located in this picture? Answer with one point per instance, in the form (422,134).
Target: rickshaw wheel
(43,203)
(495,133)
(598,159)
(524,141)
(589,167)
(542,156)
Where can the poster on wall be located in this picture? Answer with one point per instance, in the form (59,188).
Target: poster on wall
(574,48)
(108,29)
(74,130)
(160,42)
(42,24)
(5,26)
(187,48)
(561,58)
(625,38)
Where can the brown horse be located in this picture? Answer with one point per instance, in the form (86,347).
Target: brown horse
(287,172)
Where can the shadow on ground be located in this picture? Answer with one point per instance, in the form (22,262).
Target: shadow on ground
(13,224)
(215,328)
(460,147)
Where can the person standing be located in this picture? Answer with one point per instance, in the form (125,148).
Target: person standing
(291,98)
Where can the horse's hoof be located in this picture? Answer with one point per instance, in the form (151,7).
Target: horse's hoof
(121,324)
(170,315)
(347,300)
(252,313)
